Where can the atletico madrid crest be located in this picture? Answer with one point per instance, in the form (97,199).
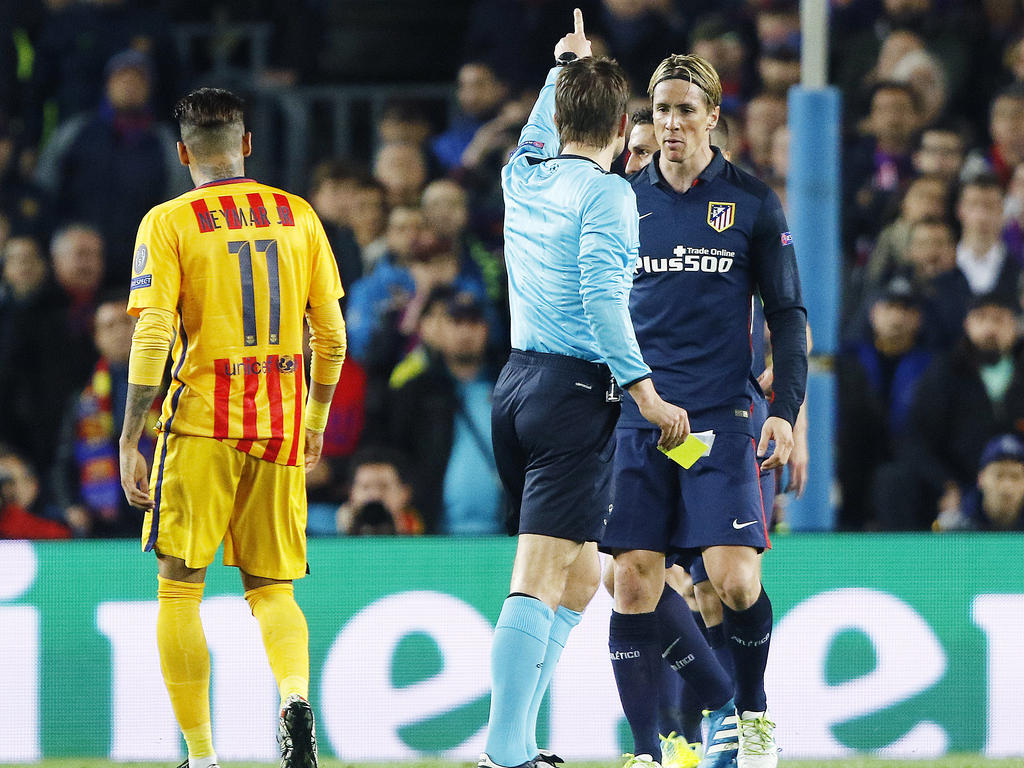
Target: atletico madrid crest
(721,216)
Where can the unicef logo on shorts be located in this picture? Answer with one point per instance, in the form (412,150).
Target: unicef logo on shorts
(141,257)
(286,364)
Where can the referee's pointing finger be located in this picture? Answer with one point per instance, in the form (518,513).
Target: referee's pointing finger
(577,17)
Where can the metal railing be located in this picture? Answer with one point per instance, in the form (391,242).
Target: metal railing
(296,126)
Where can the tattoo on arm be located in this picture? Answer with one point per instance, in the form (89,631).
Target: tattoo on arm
(139,401)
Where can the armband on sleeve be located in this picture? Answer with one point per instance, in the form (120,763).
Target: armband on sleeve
(151,343)
(327,341)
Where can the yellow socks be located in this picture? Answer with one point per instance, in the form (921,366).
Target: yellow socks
(185,661)
(285,636)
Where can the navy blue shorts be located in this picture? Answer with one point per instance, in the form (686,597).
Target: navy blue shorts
(768,482)
(553,433)
(660,506)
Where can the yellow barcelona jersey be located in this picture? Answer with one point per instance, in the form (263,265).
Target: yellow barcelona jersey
(238,262)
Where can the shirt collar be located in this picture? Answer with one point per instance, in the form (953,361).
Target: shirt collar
(713,170)
(232,180)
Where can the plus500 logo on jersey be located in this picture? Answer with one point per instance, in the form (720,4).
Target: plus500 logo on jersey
(687,259)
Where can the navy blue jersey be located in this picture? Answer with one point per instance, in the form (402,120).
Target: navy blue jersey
(703,255)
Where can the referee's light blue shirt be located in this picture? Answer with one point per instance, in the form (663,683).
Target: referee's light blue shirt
(572,238)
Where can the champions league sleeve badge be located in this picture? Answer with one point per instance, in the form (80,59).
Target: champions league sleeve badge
(141,257)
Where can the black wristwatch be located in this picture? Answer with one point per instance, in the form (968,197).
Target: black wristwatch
(565,58)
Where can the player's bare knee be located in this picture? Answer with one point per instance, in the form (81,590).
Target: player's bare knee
(639,581)
(738,591)
(708,603)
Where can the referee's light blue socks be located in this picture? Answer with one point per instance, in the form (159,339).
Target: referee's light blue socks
(517,657)
(562,625)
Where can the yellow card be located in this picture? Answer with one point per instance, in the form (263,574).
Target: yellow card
(686,455)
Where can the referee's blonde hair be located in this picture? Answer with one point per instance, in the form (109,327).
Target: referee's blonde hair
(694,69)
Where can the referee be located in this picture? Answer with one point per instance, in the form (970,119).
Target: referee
(571,244)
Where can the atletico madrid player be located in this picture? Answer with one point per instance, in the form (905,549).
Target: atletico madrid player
(229,270)
(711,236)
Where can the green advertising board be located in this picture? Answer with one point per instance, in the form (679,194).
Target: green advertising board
(902,645)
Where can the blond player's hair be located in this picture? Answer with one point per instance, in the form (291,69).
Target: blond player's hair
(694,69)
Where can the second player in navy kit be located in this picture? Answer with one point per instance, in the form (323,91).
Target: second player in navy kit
(711,236)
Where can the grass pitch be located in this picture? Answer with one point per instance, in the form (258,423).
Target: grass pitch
(953,761)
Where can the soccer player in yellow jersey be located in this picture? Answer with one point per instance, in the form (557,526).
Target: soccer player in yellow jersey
(227,271)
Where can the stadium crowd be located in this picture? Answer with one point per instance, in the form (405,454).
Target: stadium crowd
(931,370)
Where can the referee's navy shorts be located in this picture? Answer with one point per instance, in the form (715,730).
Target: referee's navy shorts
(660,506)
(553,433)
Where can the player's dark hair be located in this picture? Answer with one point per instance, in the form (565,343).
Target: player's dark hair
(379,455)
(642,116)
(211,120)
(981,181)
(338,170)
(590,98)
(896,85)
(942,125)
(935,221)
(1014,91)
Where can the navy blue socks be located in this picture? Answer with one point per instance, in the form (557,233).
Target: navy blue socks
(636,661)
(748,634)
(687,651)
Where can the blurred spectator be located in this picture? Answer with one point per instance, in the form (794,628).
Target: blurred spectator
(402,169)
(480,94)
(446,213)
(379,478)
(29,323)
(341,437)
(879,164)
(939,151)
(49,351)
(927,197)
(384,306)
(964,399)
(996,503)
(20,513)
(79,261)
(1006,128)
(403,121)
(877,377)
(77,41)
(779,68)
(641,32)
(387,287)
(25,204)
(448,408)
(924,74)
(721,43)
(110,166)
(333,194)
(951,34)
(765,114)
(373,519)
(931,254)
(514,36)
(642,145)
(369,221)
(482,161)
(981,253)
(86,481)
